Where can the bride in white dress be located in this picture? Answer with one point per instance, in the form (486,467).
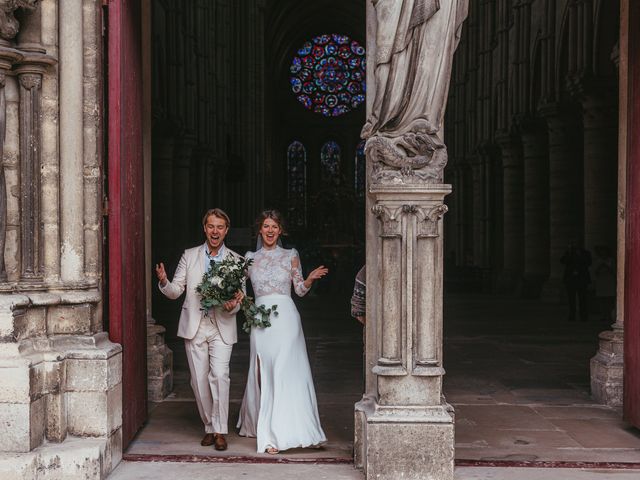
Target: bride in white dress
(279,405)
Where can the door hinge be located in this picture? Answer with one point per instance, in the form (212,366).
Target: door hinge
(105,207)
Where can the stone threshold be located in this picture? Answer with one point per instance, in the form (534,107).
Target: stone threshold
(347,460)
(548,464)
(279,459)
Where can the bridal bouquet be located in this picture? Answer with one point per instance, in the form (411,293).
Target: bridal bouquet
(220,284)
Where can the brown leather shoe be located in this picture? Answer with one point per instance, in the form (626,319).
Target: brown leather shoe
(207,440)
(219,442)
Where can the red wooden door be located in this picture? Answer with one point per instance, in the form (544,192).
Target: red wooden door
(126,275)
(632,256)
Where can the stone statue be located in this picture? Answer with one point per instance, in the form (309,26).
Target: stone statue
(415,42)
(9,26)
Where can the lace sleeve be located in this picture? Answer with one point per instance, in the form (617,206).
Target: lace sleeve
(296,274)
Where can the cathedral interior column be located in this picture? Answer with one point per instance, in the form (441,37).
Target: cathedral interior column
(607,365)
(600,149)
(536,208)
(565,199)
(513,207)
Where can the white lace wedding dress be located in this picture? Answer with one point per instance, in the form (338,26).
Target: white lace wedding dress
(279,405)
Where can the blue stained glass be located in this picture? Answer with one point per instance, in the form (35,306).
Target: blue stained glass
(340,39)
(297,184)
(305,100)
(329,70)
(322,39)
(330,161)
(296,65)
(296,85)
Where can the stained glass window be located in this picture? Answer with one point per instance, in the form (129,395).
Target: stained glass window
(328,74)
(330,162)
(360,170)
(297,184)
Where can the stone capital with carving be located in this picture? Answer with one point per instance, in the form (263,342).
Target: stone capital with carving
(428,219)
(390,218)
(30,80)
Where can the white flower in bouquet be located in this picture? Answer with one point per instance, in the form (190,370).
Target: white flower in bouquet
(222,281)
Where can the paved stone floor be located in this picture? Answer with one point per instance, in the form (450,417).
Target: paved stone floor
(517,374)
(198,471)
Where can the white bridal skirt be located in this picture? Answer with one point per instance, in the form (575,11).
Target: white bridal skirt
(280,407)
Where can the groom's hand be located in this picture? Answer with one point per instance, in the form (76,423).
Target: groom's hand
(233,303)
(161,274)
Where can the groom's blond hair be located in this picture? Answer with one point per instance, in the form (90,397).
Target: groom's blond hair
(216,212)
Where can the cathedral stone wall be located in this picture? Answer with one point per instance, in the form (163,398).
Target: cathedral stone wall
(60,374)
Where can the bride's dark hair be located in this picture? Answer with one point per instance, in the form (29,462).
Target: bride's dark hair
(274,215)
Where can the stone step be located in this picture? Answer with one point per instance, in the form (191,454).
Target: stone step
(74,459)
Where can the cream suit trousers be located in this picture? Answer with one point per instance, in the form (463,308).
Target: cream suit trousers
(208,358)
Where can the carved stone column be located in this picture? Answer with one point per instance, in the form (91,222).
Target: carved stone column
(536,209)
(30,73)
(600,131)
(607,365)
(409,427)
(513,212)
(565,200)
(8,56)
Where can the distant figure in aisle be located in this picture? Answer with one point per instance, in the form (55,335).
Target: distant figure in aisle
(576,261)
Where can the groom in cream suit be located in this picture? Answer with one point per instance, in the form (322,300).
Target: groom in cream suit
(208,338)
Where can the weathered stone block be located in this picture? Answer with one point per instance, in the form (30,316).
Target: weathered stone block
(22,425)
(17,467)
(69,319)
(31,324)
(113,453)
(56,427)
(94,414)
(15,384)
(93,375)
(410,451)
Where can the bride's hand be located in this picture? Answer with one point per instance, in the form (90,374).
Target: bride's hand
(318,273)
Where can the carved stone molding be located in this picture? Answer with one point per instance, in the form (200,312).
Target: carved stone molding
(9,25)
(30,71)
(8,57)
(428,220)
(30,80)
(412,158)
(390,219)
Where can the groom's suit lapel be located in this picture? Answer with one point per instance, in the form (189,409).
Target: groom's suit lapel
(201,258)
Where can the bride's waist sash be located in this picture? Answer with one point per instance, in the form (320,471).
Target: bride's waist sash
(273,297)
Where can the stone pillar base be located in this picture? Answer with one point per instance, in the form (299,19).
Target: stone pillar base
(159,364)
(411,443)
(607,368)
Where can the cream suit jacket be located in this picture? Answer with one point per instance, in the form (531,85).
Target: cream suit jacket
(188,275)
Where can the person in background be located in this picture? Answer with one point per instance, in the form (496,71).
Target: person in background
(358,299)
(576,261)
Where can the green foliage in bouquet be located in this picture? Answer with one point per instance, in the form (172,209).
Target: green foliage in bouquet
(220,284)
